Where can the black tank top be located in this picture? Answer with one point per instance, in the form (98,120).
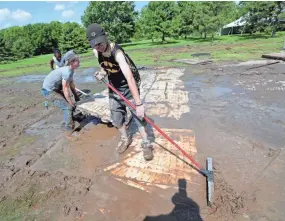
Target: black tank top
(115,75)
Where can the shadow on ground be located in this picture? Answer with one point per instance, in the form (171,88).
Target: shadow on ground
(185,209)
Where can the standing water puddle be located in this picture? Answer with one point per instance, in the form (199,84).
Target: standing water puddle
(30,78)
(221,90)
(81,76)
(40,78)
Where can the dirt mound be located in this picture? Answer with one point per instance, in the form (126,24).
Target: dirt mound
(227,202)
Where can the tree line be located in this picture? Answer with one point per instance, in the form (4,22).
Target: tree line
(157,20)
(37,39)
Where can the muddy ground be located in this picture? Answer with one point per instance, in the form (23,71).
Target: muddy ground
(234,115)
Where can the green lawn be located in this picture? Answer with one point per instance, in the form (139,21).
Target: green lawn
(148,53)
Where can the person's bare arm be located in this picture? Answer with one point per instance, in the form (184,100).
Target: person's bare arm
(65,88)
(51,64)
(102,73)
(120,58)
(72,87)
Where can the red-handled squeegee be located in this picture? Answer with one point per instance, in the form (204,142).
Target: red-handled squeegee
(208,173)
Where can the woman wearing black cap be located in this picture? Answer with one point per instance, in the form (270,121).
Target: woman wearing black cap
(124,76)
(56,60)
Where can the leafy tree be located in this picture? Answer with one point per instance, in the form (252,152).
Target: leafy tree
(42,38)
(5,52)
(19,42)
(277,15)
(186,17)
(12,34)
(145,26)
(56,32)
(159,18)
(219,15)
(36,39)
(117,18)
(202,18)
(22,48)
(210,17)
(260,16)
(73,38)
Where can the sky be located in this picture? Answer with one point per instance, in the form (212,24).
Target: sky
(24,12)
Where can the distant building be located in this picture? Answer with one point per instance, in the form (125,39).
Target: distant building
(234,27)
(239,26)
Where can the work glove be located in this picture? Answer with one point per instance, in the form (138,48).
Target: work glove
(100,75)
(140,111)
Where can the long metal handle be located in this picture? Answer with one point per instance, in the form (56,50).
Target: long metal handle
(81,92)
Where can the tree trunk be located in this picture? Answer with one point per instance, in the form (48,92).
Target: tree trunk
(273,34)
(251,30)
(201,33)
(212,39)
(243,30)
(205,35)
(163,37)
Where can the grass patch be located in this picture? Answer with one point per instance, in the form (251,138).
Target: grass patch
(157,53)
(20,208)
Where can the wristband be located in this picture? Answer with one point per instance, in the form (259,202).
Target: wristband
(137,105)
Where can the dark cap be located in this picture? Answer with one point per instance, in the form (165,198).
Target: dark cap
(95,34)
(56,51)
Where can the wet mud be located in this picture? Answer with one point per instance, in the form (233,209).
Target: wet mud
(222,110)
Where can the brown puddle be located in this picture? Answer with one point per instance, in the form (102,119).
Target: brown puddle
(95,148)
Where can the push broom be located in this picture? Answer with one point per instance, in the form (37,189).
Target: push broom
(208,172)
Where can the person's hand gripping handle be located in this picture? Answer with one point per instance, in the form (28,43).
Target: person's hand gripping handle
(99,75)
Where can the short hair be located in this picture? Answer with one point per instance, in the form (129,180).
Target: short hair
(70,57)
(75,57)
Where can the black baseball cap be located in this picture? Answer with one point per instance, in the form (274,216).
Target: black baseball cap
(95,34)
